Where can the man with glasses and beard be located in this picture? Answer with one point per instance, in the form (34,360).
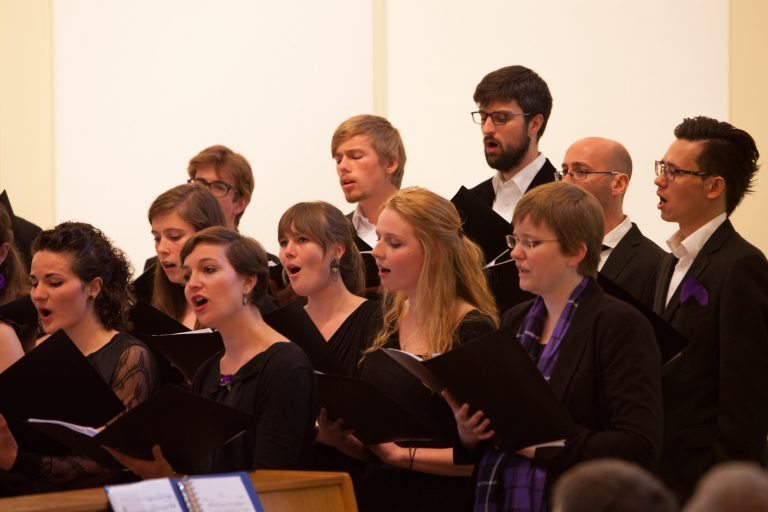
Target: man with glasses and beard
(514,106)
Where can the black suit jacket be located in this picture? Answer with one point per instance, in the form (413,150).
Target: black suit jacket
(633,264)
(372,279)
(716,390)
(608,376)
(486,192)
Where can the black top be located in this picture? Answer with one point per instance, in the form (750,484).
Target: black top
(127,365)
(355,334)
(278,388)
(386,488)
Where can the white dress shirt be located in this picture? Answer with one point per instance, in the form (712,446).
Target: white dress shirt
(365,230)
(686,250)
(509,192)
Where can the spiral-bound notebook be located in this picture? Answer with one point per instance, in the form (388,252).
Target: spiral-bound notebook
(230,492)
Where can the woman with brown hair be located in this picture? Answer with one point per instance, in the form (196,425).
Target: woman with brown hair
(175,216)
(321,262)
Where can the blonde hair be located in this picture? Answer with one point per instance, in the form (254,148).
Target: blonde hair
(452,269)
(384,138)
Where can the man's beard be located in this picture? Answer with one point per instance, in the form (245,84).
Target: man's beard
(509,157)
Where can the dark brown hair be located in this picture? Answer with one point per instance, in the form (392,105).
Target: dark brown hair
(245,254)
(324,224)
(94,255)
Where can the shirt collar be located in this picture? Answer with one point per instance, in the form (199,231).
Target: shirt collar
(522,179)
(692,244)
(614,236)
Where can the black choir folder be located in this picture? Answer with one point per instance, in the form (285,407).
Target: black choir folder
(671,343)
(372,279)
(231,492)
(185,425)
(55,380)
(488,229)
(172,342)
(394,406)
(293,322)
(21,314)
(493,373)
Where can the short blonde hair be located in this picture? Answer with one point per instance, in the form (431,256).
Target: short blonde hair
(384,137)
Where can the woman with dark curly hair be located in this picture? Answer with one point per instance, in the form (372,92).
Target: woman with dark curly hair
(80,285)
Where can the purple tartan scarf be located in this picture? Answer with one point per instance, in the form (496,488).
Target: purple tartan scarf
(506,482)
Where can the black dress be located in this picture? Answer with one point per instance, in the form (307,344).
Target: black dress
(278,387)
(386,488)
(347,343)
(355,335)
(127,365)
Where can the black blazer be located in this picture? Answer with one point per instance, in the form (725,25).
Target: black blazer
(486,192)
(716,390)
(633,264)
(608,376)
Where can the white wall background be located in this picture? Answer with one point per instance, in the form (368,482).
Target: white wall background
(142,86)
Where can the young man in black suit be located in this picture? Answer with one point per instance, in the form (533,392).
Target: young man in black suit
(604,168)
(713,289)
(514,106)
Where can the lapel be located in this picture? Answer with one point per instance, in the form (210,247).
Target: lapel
(666,269)
(485,192)
(699,265)
(622,254)
(545,175)
(576,339)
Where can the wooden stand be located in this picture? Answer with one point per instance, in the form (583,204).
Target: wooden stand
(310,491)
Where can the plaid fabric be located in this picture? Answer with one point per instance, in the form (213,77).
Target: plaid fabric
(506,482)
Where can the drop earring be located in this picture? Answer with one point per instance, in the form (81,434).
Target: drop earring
(335,269)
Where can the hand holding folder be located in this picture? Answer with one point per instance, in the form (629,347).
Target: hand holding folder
(387,404)
(185,425)
(494,374)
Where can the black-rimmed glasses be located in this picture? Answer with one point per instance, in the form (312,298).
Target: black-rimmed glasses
(497,118)
(217,188)
(670,173)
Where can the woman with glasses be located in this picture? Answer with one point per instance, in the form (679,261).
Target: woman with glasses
(435,298)
(598,354)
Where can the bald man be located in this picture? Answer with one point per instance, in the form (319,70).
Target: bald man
(604,168)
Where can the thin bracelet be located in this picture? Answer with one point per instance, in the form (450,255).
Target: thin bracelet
(411,457)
